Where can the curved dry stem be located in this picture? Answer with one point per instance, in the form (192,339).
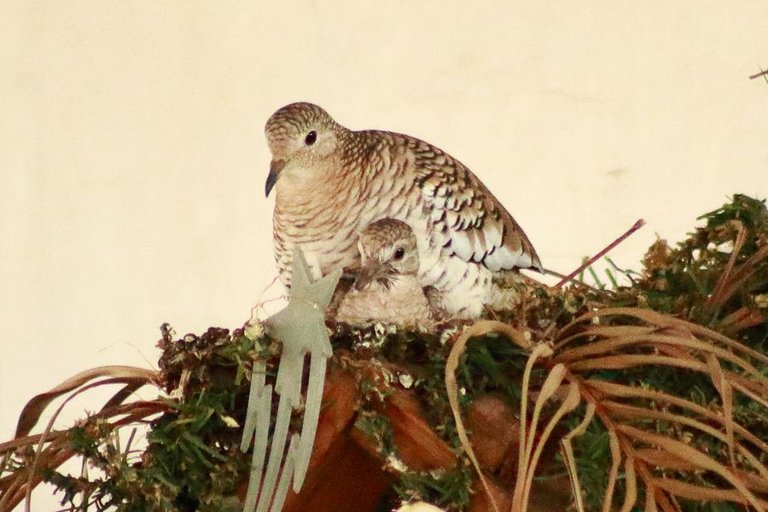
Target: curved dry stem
(566,445)
(613,474)
(624,361)
(568,404)
(683,450)
(583,324)
(53,447)
(630,497)
(129,375)
(719,295)
(612,344)
(624,391)
(527,433)
(701,493)
(477,329)
(675,463)
(630,414)
(121,379)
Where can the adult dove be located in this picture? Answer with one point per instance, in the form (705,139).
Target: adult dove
(387,288)
(331,182)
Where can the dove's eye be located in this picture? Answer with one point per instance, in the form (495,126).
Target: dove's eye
(399,253)
(310,138)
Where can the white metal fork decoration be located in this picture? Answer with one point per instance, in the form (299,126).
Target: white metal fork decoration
(300,327)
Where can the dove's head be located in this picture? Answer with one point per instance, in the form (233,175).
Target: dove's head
(301,137)
(387,250)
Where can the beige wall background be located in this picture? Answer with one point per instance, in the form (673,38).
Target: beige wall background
(132,159)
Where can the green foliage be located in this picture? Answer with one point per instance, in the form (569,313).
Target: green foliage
(684,280)
(446,489)
(192,461)
(717,277)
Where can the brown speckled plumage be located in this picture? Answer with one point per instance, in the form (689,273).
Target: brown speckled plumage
(332,182)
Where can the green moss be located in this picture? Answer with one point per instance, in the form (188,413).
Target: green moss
(446,489)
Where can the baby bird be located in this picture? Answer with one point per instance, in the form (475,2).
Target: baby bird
(387,288)
(331,182)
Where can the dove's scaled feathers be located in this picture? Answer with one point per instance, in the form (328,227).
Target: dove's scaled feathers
(332,182)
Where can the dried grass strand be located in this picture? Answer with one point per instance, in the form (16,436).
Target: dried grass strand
(630,477)
(526,432)
(654,318)
(613,473)
(718,296)
(568,404)
(129,375)
(701,493)
(566,447)
(683,450)
(625,391)
(723,387)
(452,362)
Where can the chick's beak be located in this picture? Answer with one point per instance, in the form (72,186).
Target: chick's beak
(274,173)
(372,273)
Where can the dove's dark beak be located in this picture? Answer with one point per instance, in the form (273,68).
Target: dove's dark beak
(274,173)
(374,273)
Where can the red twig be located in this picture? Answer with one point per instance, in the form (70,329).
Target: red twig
(637,225)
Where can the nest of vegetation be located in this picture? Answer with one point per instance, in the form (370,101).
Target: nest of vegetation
(652,395)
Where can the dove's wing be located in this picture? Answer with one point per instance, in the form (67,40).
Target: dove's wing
(474,225)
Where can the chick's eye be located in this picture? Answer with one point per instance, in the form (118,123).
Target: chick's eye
(399,253)
(310,138)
